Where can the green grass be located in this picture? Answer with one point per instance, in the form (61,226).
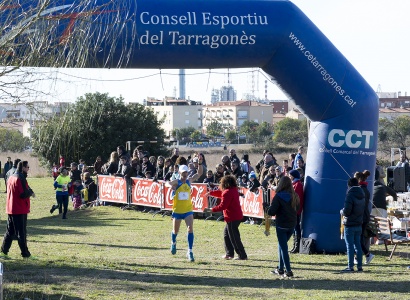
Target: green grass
(108,253)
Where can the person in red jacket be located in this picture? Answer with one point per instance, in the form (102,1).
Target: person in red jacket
(17,208)
(230,205)
(298,187)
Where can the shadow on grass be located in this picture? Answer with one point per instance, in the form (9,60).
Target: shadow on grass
(106,245)
(15,294)
(122,280)
(77,221)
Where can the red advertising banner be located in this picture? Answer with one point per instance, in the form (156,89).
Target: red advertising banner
(112,189)
(252,203)
(198,197)
(146,192)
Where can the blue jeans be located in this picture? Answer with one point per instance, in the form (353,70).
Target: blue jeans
(352,239)
(284,235)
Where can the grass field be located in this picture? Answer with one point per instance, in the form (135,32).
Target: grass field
(109,253)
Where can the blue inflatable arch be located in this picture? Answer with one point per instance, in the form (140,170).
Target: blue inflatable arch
(277,37)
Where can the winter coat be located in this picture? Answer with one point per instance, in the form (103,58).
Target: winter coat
(366,215)
(18,195)
(379,194)
(354,207)
(230,204)
(281,207)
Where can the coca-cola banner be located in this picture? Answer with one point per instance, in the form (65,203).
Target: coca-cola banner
(112,189)
(252,203)
(198,197)
(147,192)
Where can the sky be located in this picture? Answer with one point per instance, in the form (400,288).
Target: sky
(372,34)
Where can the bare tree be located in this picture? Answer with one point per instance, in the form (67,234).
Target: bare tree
(43,33)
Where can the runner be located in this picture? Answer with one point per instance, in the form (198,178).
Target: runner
(182,207)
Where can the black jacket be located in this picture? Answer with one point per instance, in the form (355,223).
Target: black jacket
(125,171)
(75,175)
(254,185)
(281,207)
(112,168)
(353,210)
(92,189)
(366,215)
(379,194)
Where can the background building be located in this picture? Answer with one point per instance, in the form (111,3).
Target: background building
(176,113)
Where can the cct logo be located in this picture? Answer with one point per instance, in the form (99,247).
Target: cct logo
(350,139)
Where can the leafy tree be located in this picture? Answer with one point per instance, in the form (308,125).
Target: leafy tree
(264,130)
(12,140)
(95,125)
(196,135)
(291,131)
(249,128)
(231,135)
(214,129)
(394,133)
(183,134)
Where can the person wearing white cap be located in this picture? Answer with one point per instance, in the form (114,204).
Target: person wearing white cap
(182,207)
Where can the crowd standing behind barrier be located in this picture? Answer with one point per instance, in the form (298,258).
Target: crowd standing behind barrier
(144,192)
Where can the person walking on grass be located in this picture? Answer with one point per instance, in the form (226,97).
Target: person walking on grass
(231,207)
(284,206)
(182,207)
(17,208)
(62,184)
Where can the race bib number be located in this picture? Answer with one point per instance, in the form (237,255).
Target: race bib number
(64,188)
(183,196)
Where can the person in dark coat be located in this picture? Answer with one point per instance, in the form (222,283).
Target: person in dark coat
(380,191)
(7,166)
(236,170)
(253,183)
(111,167)
(125,170)
(284,206)
(365,242)
(352,213)
(146,166)
(294,175)
(98,166)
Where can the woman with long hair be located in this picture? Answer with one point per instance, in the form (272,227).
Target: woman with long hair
(284,206)
(112,164)
(231,207)
(160,168)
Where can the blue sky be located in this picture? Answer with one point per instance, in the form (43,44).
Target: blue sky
(373,35)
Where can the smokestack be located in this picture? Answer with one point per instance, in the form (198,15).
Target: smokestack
(182,84)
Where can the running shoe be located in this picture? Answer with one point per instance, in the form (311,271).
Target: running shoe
(173,249)
(190,256)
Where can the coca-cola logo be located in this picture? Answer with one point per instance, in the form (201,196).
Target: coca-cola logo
(147,192)
(213,201)
(250,203)
(169,198)
(113,188)
(197,198)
